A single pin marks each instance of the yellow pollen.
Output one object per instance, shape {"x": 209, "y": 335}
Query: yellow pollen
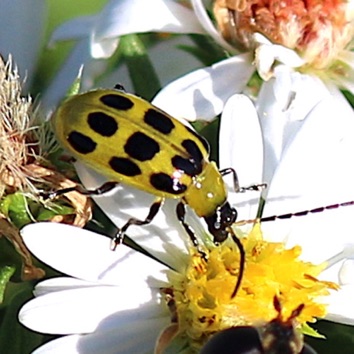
{"x": 202, "y": 296}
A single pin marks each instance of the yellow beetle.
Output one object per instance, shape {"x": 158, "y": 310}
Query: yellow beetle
{"x": 131, "y": 141}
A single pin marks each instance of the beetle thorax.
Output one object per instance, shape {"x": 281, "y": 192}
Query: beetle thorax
{"x": 207, "y": 192}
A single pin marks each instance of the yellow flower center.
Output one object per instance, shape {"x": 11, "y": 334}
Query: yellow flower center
{"x": 202, "y": 296}
{"x": 317, "y": 29}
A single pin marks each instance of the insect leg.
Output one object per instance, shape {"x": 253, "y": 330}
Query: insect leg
{"x": 106, "y": 187}
{"x": 237, "y": 188}
{"x": 154, "y": 209}
{"x": 181, "y": 213}
{"x": 120, "y": 87}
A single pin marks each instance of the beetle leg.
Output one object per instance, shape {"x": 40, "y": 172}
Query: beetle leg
{"x": 154, "y": 209}
{"x": 181, "y": 213}
{"x": 237, "y": 188}
{"x": 106, "y": 187}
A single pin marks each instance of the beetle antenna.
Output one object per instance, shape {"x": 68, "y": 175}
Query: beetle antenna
{"x": 242, "y": 262}
{"x": 291, "y": 215}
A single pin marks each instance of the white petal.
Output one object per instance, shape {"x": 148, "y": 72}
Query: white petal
{"x": 59, "y": 284}
{"x": 174, "y": 63}
{"x": 241, "y": 147}
{"x": 86, "y": 255}
{"x": 283, "y": 104}
{"x": 104, "y": 48}
{"x": 77, "y": 28}
{"x": 203, "y": 93}
{"x": 240, "y": 140}
{"x": 268, "y": 53}
{"x": 315, "y": 171}
{"x": 346, "y": 272}
{"x": 134, "y": 337}
{"x": 208, "y": 25}
{"x": 87, "y": 310}
{"x": 121, "y": 17}
{"x": 80, "y": 56}
{"x": 340, "y": 307}
{"x": 164, "y": 237}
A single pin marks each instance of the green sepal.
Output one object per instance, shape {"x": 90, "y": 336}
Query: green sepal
{"x": 206, "y": 49}
{"x": 307, "y": 330}
{"x": 75, "y": 87}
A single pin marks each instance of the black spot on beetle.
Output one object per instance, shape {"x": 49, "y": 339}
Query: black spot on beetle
{"x": 201, "y": 139}
{"x": 186, "y": 165}
{"x": 81, "y": 143}
{"x": 163, "y": 182}
{"x": 120, "y": 102}
{"x": 141, "y": 147}
{"x": 193, "y": 151}
{"x": 102, "y": 123}
{"x": 159, "y": 121}
{"x": 124, "y": 166}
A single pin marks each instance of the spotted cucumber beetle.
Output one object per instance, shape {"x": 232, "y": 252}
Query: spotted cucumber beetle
{"x": 275, "y": 337}
{"x": 129, "y": 140}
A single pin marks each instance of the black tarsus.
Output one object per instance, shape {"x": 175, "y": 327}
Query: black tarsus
{"x": 237, "y": 188}
{"x": 154, "y": 209}
{"x": 105, "y": 188}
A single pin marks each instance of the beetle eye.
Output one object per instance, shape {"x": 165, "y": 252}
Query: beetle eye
{"x": 223, "y": 217}
{"x": 228, "y": 215}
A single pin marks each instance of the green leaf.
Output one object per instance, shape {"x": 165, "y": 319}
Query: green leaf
{"x": 350, "y": 97}
{"x": 340, "y": 338}
{"x": 14, "y": 337}
{"x": 6, "y": 273}
{"x": 141, "y": 70}
{"x": 211, "y": 133}
{"x": 44, "y": 214}
{"x": 15, "y": 207}
{"x": 22, "y": 211}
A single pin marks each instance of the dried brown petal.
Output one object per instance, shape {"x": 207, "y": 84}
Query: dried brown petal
{"x": 81, "y": 203}
{"x": 29, "y": 271}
